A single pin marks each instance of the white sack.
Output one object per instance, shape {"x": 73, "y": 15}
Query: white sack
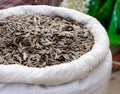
{"x": 63, "y": 73}
{"x": 95, "y": 83}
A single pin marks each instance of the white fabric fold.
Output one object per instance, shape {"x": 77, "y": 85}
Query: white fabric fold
{"x": 63, "y": 73}
{"x": 95, "y": 83}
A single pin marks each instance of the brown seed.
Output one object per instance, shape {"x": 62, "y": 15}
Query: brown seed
{"x": 39, "y": 40}
{"x": 1, "y": 40}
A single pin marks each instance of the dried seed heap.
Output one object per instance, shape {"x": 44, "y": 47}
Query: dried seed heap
{"x": 39, "y": 40}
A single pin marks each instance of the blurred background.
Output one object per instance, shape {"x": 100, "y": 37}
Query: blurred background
{"x": 106, "y": 11}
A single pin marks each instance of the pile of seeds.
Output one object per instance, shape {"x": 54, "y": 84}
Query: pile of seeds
{"x": 40, "y": 40}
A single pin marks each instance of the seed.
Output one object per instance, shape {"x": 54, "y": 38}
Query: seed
{"x": 39, "y": 40}
{"x": 86, "y": 34}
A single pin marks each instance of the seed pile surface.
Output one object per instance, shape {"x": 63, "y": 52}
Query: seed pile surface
{"x": 40, "y": 40}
